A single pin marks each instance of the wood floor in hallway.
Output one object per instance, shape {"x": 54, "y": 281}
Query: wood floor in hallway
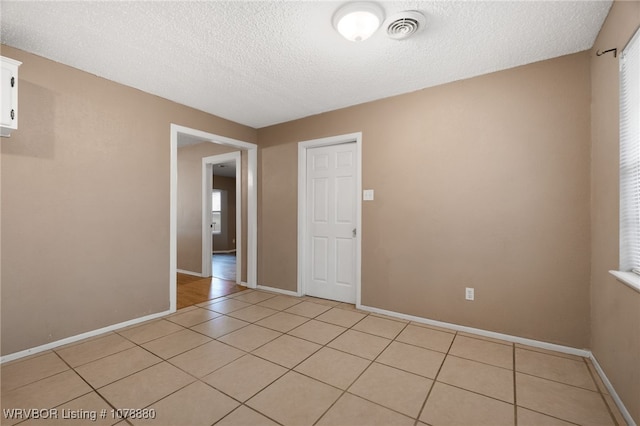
{"x": 193, "y": 290}
{"x": 223, "y": 266}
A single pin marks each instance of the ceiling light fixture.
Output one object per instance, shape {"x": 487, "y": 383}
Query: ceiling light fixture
{"x": 358, "y": 21}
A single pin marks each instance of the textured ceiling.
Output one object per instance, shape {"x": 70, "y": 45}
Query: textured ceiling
{"x": 225, "y": 169}
{"x": 262, "y": 63}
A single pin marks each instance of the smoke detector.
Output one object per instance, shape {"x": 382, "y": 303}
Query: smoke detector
{"x": 404, "y": 24}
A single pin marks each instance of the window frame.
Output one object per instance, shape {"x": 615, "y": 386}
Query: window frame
{"x": 629, "y": 126}
{"x": 219, "y": 212}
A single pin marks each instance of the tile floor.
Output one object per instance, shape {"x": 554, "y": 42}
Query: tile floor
{"x": 257, "y": 358}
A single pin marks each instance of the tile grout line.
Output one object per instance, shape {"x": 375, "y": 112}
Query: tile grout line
{"x": 515, "y": 400}
{"x": 93, "y": 389}
{"x": 41, "y": 378}
{"x": 551, "y": 416}
{"x": 283, "y": 333}
{"x": 480, "y": 394}
{"x": 242, "y": 404}
{"x": 435, "y": 380}
{"x": 448, "y": 353}
{"x": 344, "y": 391}
{"x": 325, "y": 345}
{"x": 561, "y": 383}
{"x": 233, "y": 397}
{"x": 485, "y": 339}
{"x": 549, "y": 352}
{"x": 613, "y": 417}
{"x": 478, "y": 362}
{"x": 197, "y": 379}
{"x": 289, "y": 335}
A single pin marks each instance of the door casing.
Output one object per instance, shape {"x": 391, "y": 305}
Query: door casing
{"x": 302, "y": 206}
{"x": 207, "y": 184}
{"x": 252, "y": 203}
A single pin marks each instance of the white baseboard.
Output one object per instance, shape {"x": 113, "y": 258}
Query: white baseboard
{"x": 195, "y": 274}
{"x": 623, "y": 410}
{"x": 480, "y": 332}
{"x": 223, "y": 251}
{"x": 78, "y": 337}
{"x": 515, "y": 339}
{"x": 277, "y": 290}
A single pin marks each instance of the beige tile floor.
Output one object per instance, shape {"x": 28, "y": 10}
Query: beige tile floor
{"x": 257, "y": 358}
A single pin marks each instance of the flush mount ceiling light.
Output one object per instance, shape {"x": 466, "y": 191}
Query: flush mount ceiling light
{"x": 358, "y": 21}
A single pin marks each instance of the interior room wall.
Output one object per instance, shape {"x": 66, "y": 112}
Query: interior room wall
{"x": 225, "y": 241}
{"x": 479, "y": 183}
{"x": 85, "y": 203}
{"x": 615, "y": 308}
{"x": 189, "y": 220}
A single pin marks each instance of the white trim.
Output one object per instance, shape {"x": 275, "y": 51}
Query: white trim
{"x": 220, "y": 140}
{"x": 173, "y": 218}
{"x": 623, "y": 410}
{"x": 629, "y": 279}
{"x": 78, "y": 337}
{"x": 252, "y": 205}
{"x": 252, "y": 217}
{"x": 277, "y": 290}
{"x": 205, "y": 197}
{"x": 515, "y": 339}
{"x": 223, "y": 251}
{"x": 480, "y": 332}
{"x": 195, "y": 274}
{"x": 302, "y": 197}
{"x": 207, "y": 184}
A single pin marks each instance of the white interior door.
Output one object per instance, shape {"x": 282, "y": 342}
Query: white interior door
{"x": 331, "y": 222}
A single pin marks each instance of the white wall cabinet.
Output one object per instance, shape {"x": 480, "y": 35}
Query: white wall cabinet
{"x": 9, "y": 96}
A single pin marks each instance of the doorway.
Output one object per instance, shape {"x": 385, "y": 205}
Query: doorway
{"x": 222, "y": 231}
{"x": 223, "y": 266}
{"x": 176, "y": 132}
{"x": 329, "y": 218}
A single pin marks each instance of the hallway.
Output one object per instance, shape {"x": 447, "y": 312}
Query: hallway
{"x": 224, "y": 266}
{"x": 192, "y": 290}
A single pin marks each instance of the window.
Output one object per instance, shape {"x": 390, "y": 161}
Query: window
{"x": 630, "y": 164}
{"x": 216, "y": 211}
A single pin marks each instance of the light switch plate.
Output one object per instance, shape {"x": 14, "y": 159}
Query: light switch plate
{"x": 367, "y": 195}
{"x": 469, "y": 293}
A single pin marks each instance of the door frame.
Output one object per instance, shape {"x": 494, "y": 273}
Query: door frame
{"x": 207, "y": 185}
{"x": 303, "y": 146}
{"x": 252, "y": 203}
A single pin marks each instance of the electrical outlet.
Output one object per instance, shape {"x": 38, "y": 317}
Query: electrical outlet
{"x": 469, "y": 293}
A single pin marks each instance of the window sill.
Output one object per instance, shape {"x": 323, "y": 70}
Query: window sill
{"x": 628, "y": 278}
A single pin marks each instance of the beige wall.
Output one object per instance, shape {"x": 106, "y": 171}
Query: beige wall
{"x": 615, "y": 308}
{"x": 490, "y": 180}
{"x": 85, "y": 203}
{"x": 189, "y": 218}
